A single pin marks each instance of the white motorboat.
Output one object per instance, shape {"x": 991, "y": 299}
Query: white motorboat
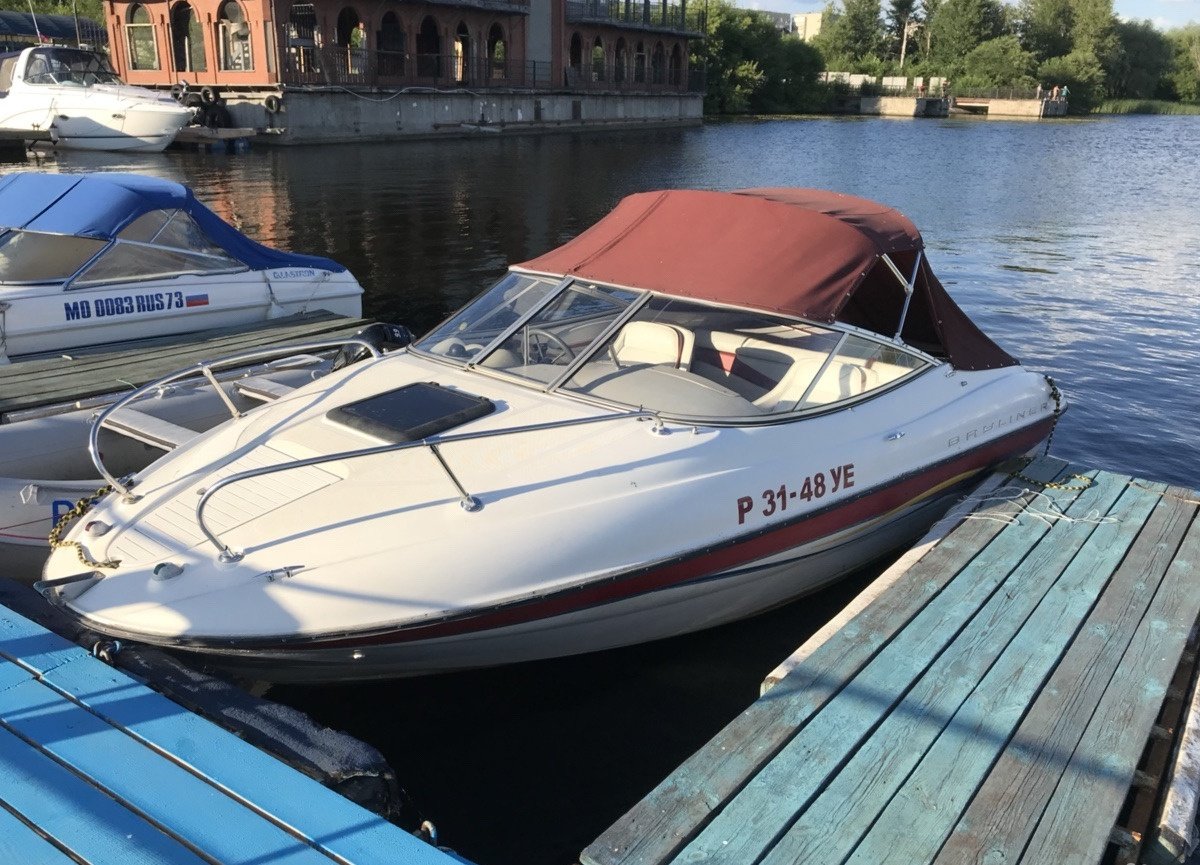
{"x": 702, "y": 407}
{"x": 74, "y": 97}
{"x": 91, "y": 259}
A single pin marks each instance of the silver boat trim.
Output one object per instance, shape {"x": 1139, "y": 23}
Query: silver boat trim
{"x": 204, "y": 368}
{"x": 468, "y": 502}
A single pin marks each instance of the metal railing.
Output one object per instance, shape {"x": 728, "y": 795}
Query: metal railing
{"x": 650, "y": 14}
{"x": 338, "y": 65}
{"x": 204, "y": 368}
{"x": 468, "y": 502}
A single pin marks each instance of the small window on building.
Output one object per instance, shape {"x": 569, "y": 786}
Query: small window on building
{"x": 497, "y": 53}
{"x": 620, "y": 62}
{"x": 639, "y": 64}
{"x": 429, "y": 49}
{"x": 392, "y": 42}
{"x": 187, "y": 40}
{"x": 675, "y": 67}
{"x": 233, "y": 38}
{"x": 143, "y": 51}
{"x": 598, "y": 60}
{"x": 658, "y": 63}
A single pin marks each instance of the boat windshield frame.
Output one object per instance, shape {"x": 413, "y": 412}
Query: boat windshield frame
{"x": 104, "y": 74}
{"x": 838, "y": 336}
{"x": 77, "y": 280}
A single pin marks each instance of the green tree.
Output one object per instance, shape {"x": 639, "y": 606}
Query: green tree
{"x": 1144, "y": 59}
{"x": 1046, "y": 27}
{"x": 90, "y": 9}
{"x": 1081, "y": 73}
{"x": 959, "y": 26}
{"x": 900, "y": 14}
{"x": 753, "y": 67}
{"x": 999, "y": 62}
{"x": 853, "y": 34}
{"x": 1184, "y": 75}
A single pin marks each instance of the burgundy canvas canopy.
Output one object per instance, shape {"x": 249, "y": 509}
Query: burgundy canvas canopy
{"x": 801, "y": 252}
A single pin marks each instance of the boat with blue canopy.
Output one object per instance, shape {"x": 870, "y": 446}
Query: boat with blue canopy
{"x": 93, "y": 259}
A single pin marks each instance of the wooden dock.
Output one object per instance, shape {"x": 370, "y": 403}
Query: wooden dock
{"x": 85, "y": 374}
{"x": 95, "y": 767}
{"x": 989, "y": 699}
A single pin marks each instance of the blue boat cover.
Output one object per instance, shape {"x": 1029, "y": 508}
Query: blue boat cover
{"x": 100, "y": 205}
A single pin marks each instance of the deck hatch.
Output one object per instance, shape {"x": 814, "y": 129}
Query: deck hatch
{"x": 412, "y": 412}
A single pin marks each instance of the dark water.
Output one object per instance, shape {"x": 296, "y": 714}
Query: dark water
{"x": 1075, "y": 244}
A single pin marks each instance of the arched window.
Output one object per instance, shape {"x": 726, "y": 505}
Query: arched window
{"x": 497, "y": 52}
{"x": 639, "y": 64}
{"x": 302, "y": 37}
{"x": 429, "y": 49}
{"x": 143, "y": 52}
{"x": 351, "y": 37}
{"x": 462, "y": 53}
{"x": 575, "y": 60}
{"x": 233, "y": 38}
{"x": 187, "y": 39}
{"x": 598, "y": 59}
{"x": 675, "y": 67}
{"x": 390, "y": 43}
{"x": 620, "y": 62}
{"x": 658, "y": 62}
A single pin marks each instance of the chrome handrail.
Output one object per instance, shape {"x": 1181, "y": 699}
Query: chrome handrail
{"x": 201, "y": 367}
{"x": 468, "y": 502}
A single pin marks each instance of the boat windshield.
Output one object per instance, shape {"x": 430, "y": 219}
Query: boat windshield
{"x": 666, "y": 354}
{"x": 68, "y": 66}
{"x": 157, "y": 245}
{"x": 36, "y": 257}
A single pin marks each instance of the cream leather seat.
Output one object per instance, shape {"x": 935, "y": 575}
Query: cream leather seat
{"x": 652, "y": 342}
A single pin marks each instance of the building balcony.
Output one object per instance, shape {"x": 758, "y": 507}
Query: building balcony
{"x": 638, "y": 15}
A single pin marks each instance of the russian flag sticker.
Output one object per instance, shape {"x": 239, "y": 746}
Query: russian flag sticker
{"x": 196, "y": 300}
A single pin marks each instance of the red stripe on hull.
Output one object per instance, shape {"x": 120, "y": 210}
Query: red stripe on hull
{"x": 731, "y": 554}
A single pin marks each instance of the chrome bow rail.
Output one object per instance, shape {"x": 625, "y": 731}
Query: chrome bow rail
{"x": 466, "y": 500}
{"x": 205, "y": 368}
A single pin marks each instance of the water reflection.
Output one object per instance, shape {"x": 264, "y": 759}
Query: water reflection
{"x": 1072, "y": 243}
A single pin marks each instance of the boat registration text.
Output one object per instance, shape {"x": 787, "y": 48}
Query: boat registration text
{"x": 128, "y": 304}
{"x": 814, "y": 486}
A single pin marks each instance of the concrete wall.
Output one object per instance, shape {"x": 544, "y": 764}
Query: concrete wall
{"x": 1015, "y": 107}
{"x": 903, "y": 106}
{"x": 313, "y": 116}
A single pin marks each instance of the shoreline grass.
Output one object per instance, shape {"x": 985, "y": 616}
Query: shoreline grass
{"x": 1145, "y": 106}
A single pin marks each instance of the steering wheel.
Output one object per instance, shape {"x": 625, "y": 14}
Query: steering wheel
{"x": 546, "y": 342}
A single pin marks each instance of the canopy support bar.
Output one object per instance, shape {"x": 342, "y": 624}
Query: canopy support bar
{"x": 909, "y": 283}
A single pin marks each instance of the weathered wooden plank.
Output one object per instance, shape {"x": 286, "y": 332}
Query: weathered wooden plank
{"x": 884, "y": 582}
{"x": 19, "y": 843}
{"x": 160, "y": 791}
{"x": 44, "y": 382}
{"x": 31, "y": 646}
{"x": 77, "y": 815}
{"x": 848, "y": 807}
{"x": 328, "y": 821}
{"x": 922, "y": 814}
{"x": 1007, "y": 807}
{"x": 657, "y": 827}
{"x": 1094, "y": 784}
{"x": 898, "y": 704}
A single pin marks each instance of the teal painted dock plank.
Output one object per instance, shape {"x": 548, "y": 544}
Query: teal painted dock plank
{"x": 1011, "y": 668}
{"x": 922, "y": 814}
{"x": 110, "y": 752}
{"x": 659, "y": 826}
{"x": 854, "y": 800}
{"x": 750, "y": 824}
{"x": 1094, "y": 784}
{"x": 1009, "y": 805}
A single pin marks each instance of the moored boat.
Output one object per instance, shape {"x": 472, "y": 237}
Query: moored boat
{"x": 702, "y": 407}
{"x": 74, "y": 97}
{"x": 91, "y": 259}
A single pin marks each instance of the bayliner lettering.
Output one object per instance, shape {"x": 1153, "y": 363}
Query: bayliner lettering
{"x": 815, "y": 486}
{"x": 128, "y": 304}
{"x": 998, "y": 423}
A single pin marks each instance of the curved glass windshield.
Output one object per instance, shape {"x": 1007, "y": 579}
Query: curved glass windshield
{"x": 32, "y": 256}
{"x": 673, "y": 356}
{"x": 68, "y": 66}
{"x": 158, "y": 245}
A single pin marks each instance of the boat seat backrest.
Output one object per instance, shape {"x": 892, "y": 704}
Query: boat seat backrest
{"x": 653, "y": 342}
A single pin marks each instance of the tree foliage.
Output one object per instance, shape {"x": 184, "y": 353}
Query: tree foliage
{"x": 91, "y": 9}
{"x": 999, "y": 62}
{"x": 753, "y": 67}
